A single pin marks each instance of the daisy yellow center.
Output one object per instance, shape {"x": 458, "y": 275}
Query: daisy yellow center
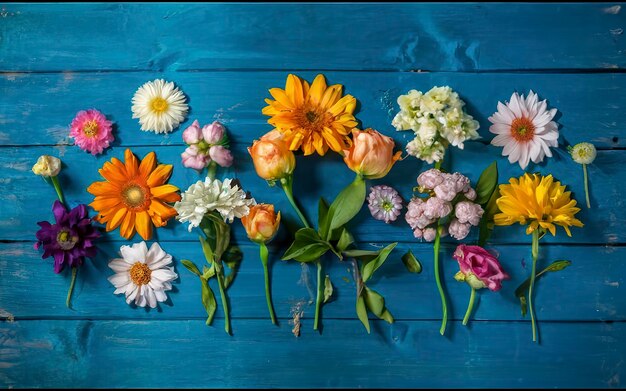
{"x": 159, "y": 105}
{"x": 134, "y": 195}
{"x": 140, "y": 273}
{"x": 91, "y": 128}
{"x": 522, "y": 129}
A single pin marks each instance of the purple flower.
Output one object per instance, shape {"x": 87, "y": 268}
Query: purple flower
{"x": 384, "y": 203}
{"x": 70, "y": 240}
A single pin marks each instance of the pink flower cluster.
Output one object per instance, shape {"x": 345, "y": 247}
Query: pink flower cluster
{"x": 448, "y": 193}
{"x": 206, "y": 144}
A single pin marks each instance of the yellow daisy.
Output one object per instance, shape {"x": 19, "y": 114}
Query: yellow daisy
{"x": 312, "y": 118}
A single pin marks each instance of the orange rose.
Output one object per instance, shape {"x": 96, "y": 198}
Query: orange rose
{"x": 271, "y": 157}
{"x": 371, "y": 154}
{"x": 261, "y": 223}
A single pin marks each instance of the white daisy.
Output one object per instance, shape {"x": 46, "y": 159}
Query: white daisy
{"x": 524, "y": 127}
{"x": 204, "y": 197}
{"x": 143, "y": 275}
{"x": 160, "y": 106}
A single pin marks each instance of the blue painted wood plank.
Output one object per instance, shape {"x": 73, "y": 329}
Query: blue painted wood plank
{"x": 448, "y": 37}
{"x": 181, "y": 354}
{"x": 588, "y": 290}
{"x": 590, "y": 108}
{"x": 27, "y": 199}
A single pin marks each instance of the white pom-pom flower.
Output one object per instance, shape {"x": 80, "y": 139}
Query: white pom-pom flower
{"x": 583, "y": 153}
{"x": 159, "y": 106}
{"x": 143, "y": 275}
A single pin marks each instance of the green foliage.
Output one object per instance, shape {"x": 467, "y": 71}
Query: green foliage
{"x": 521, "y": 290}
{"x": 411, "y": 263}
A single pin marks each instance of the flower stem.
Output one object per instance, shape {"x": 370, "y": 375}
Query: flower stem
{"x": 470, "y": 307}
{"x": 535, "y": 254}
{"x": 586, "y": 185}
{"x": 438, "y": 164}
{"x": 72, "y": 282}
{"x": 318, "y": 301}
{"x": 268, "y": 296}
{"x": 220, "y": 282}
{"x": 212, "y": 170}
{"x": 57, "y": 187}
{"x": 286, "y": 184}
{"x": 444, "y": 305}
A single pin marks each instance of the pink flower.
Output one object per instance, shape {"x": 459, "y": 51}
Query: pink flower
{"x": 436, "y": 208}
{"x": 193, "y": 158}
{"x": 470, "y": 194}
{"x": 461, "y": 182}
{"x": 459, "y": 230}
{"x": 415, "y": 215}
{"x": 479, "y": 268}
{"x": 429, "y": 179}
{"x": 192, "y": 134}
{"x": 446, "y": 190}
{"x": 221, "y": 155}
{"x": 213, "y": 133}
{"x": 91, "y": 131}
{"x": 468, "y": 212}
{"x": 429, "y": 234}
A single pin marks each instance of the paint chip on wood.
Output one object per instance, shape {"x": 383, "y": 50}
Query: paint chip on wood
{"x": 612, "y": 10}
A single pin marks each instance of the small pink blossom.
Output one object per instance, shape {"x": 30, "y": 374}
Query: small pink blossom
{"x": 468, "y": 212}
{"x": 470, "y": 194}
{"x": 479, "y": 268}
{"x": 91, "y": 131}
{"x": 384, "y": 203}
{"x": 213, "y": 133}
{"x": 193, "y": 133}
{"x": 429, "y": 179}
{"x": 415, "y": 214}
{"x": 429, "y": 234}
{"x": 459, "y": 230}
{"x": 221, "y": 155}
{"x": 461, "y": 182}
{"x": 418, "y": 233}
{"x": 193, "y": 158}
{"x": 436, "y": 208}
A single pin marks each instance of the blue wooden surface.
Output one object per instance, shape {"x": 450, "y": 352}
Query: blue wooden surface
{"x": 56, "y": 59}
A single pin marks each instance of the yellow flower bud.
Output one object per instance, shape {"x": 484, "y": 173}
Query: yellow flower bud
{"x": 47, "y": 165}
{"x": 261, "y": 224}
{"x": 371, "y": 154}
{"x": 271, "y": 157}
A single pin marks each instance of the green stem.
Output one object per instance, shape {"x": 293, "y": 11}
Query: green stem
{"x": 586, "y": 185}
{"x": 470, "y": 307}
{"x": 287, "y": 185}
{"x": 535, "y": 254}
{"x": 69, "y": 292}
{"x": 444, "y": 305}
{"x": 438, "y": 164}
{"x": 318, "y": 301}
{"x": 57, "y": 187}
{"x": 220, "y": 283}
{"x": 268, "y": 296}
{"x": 212, "y": 170}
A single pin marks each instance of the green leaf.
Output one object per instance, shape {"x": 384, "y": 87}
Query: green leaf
{"x": 361, "y": 312}
{"x": 374, "y": 301}
{"x": 232, "y": 256}
{"x": 486, "y": 222}
{"x": 521, "y": 290}
{"x": 206, "y": 249}
{"x": 208, "y": 272}
{"x": 411, "y": 263}
{"x": 222, "y": 234}
{"x": 370, "y": 267}
{"x": 328, "y": 289}
{"x": 486, "y": 184}
{"x": 386, "y": 315}
{"x": 322, "y": 211}
{"x": 347, "y": 205}
{"x": 307, "y": 246}
{"x": 345, "y": 240}
{"x": 208, "y": 300}
{"x": 191, "y": 267}
{"x": 356, "y": 253}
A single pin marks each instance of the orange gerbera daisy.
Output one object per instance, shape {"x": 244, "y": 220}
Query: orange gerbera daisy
{"x": 312, "y": 118}
{"x": 134, "y": 195}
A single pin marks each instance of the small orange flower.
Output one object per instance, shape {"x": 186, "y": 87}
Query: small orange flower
{"x": 261, "y": 223}
{"x": 271, "y": 157}
{"x": 134, "y": 195}
{"x": 371, "y": 154}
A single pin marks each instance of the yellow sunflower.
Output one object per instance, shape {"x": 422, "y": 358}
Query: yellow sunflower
{"x": 134, "y": 195}
{"x": 312, "y": 118}
{"x": 537, "y": 201}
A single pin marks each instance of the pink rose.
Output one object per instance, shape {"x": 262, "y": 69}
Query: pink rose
{"x": 221, "y": 155}
{"x": 436, "y": 208}
{"x": 429, "y": 179}
{"x": 193, "y": 158}
{"x": 213, "y": 133}
{"x": 468, "y": 212}
{"x": 192, "y": 134}
{"x": 459, "y": 230}
{"x": 479, "y": 268}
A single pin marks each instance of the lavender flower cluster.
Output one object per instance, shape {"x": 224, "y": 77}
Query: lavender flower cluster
{"x": 450, "y": 195}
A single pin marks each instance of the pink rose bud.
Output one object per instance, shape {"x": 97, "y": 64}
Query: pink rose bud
{"x": 479, "y": 268}
{"x": 213, "y": 133}
{"x": 459, "y": 230}
{"x": 221, "y": 155}
{"x": 192, "y": 134}
{"x": 468, "y": 212}
{"x": 429, "y": 179}
{"x": 192, "y": 158}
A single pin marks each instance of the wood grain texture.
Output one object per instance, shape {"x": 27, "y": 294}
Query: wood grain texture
{"x": 411, "y": 355}
{"x": 432, "y": 37}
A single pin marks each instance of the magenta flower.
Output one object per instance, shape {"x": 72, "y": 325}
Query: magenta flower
{"x": 384, "y": 203}
{"x": 91, "y": 131}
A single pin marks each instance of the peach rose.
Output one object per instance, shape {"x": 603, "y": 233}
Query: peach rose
{"x": 371, "y": 154}
{"x": 271, "y": 157}
{"x": 261, "y": 224}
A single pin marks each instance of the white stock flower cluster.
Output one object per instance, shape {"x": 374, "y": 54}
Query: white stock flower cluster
{"x": 437, "y": 119}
